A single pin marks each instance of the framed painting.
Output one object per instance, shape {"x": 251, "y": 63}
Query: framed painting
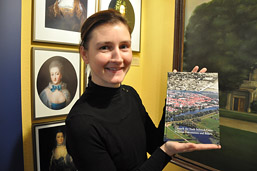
{"x": 56, "y": 80}
{"x": 50, "y": 151}
{"x": 131, "y": 9}
{"x": 87, "y": 74}
{"x": 60, "y": 21}
{"x": 220, "y": 35}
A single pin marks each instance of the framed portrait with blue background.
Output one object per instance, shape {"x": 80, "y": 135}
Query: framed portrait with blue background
{"x": 56, "y": 81}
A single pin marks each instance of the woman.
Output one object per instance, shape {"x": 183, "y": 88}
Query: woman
{"x": 108, "y": 128}
{"x": 61, "y": 160}
{"x": 56, "y": 95}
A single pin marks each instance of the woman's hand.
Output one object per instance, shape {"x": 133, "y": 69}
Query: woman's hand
{"x": 171, "y": 147}
{"x": 195, "y": 69}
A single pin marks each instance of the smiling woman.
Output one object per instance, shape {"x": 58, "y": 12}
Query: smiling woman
{"x": 109, "y": 54}
{"x": 108, "y": 128}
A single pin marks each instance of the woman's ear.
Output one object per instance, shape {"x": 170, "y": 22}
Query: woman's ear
{"x": 83, "y": 54}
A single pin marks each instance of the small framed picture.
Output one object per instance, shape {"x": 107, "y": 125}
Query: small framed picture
{"x": 56, "y": 79}
{"x": 59, "y": 21}
{"x": 50, "y": 152}
{"x": 131, "y": 9}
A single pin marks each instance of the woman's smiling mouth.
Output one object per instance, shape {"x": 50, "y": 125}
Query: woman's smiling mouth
{"x": 113, "y": 68}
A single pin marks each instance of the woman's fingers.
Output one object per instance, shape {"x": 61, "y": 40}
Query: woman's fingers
{"x": 196, "y": 68}
{"x": 203, "y": 70}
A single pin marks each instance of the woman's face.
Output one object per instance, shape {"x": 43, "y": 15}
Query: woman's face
{"x": 55, "y": 75}
{"x": 109, "y": 54}
{"x": 59, "y": 138}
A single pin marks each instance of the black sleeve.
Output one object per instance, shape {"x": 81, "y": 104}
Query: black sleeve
{"x": 156, "y": 162}
{"x": 154, "y": 139}
{"x": 154, "y": 136}
{"x": 89, "y": 152}
{"x": 86, "y": 147}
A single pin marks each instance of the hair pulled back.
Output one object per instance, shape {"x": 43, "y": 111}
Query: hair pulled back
{"x": 110, "y": 16}
{"x": 56, "y": 63}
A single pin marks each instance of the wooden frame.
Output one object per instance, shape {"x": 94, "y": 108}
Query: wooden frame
{"x": 70, "y": 80}
{"x": 178, "y": 34}
{"x": 134, "y": 18}
{"x": 233, "y": 138}
{"x": 179, "y": 160}
{"x": 59, "y": 30}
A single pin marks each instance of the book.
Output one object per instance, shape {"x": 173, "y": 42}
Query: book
{"x": 192, "y": 108}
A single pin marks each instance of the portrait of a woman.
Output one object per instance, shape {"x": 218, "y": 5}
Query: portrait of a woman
{"x": 56, "y": 95}
{"x": 60, "y": 159}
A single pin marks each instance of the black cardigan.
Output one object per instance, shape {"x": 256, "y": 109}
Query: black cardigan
{"x": 109, "y": 129}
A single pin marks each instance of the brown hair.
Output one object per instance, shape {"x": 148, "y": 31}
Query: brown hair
{"x": 110, "y": 16}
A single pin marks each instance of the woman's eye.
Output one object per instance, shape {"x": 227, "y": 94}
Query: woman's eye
{"x": 104, "y": 48}
{"x": 125, "y": 46}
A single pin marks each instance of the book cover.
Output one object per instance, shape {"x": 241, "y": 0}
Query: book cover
{"x": 192, "y": 108}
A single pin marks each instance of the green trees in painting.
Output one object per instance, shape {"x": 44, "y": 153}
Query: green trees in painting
{"x": 222, "y": 36}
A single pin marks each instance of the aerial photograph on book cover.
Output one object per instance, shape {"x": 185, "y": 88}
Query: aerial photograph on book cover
{"x": 192, "y": 108}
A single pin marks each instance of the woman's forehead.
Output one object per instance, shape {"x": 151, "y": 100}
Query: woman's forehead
{"x": 54, "y": 68}
{"x": 107, "y": 26}
{"x": 59, "y": 133}
{"x": 109, "y": 31}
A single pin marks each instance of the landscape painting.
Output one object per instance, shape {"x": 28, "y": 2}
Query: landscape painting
{"x": 220, "y": 35}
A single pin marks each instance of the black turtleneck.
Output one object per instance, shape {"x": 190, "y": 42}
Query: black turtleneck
{"x": 109, "y": 129}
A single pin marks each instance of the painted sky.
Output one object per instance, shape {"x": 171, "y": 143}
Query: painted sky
{"x": 190, "y": 6}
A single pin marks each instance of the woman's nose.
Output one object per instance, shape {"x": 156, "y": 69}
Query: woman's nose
{"x": 117, "y": 55}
